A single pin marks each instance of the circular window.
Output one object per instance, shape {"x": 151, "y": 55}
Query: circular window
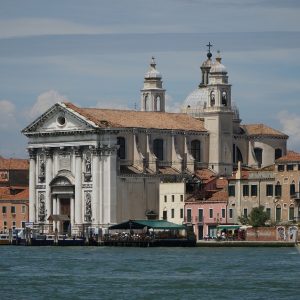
{"x": 61, "y": 120}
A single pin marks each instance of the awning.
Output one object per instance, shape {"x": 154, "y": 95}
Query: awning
{"x": 153, "y": 224}
{"x": 58, "y": 218}
{"x": 228, "y": 227}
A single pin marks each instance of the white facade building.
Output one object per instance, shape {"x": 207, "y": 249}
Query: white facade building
{"x": 104, "y": 166}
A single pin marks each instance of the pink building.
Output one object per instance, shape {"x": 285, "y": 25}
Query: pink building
{"x": 206, "y": 214}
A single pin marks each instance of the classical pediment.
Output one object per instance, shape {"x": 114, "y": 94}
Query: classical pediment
{"x": 58, "y": 118}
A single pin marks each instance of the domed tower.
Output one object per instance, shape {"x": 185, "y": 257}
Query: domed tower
{"x": 153, "y": 95}
{"x": 196, "y": 101}
{"x": 218, "y": 119}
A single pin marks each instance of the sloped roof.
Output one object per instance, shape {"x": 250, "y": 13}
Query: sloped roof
{"x": 262, "y": 129}
{"x": 113, "y": 118}
{"x": 289, "y": 157}
{"x": 205, "y": 175}
{"x": 13, "y": 164}
{"x": 6, "y": 194}
{"x": 219, "y": 196}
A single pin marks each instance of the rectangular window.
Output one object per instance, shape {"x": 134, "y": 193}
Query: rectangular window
{"x": 13, "y": 224}
{"x": 278, "y": 213}
{"x": 189, "y": 215}
{"x": 291, "y": 213}
{"x": 278, "y": 190}
{"x": 173, "y": 198}
{"x": 280, "y": 168}
{"x": 181, "y": 198}
{"x": 200, "y": 215}
{"x": 165, "y": 215}
{"x": 245, "y": 190}
{"x": 5, "y": 225}
{"x": 269, "y": 190}
{"x": 172, "y": 213}
{"x": 245, "y": 212}
{"x": 4, "y": 209}
{"x": 253, "y": 190}
{"x": 268, "y": 212}
{"x": 290, "y": 167}
{"x": 230, "y": 213}
{"x": 231, "y": 190}
{"x": 13, "y": 209}
{"x": 223, "y": 213}
{"x": 211, "y": 213}
{"x": 165, "y": 198}
{"x": 23, "y": 209}
{"x": 298, "y": 167}
{"x": 181, "y": 213}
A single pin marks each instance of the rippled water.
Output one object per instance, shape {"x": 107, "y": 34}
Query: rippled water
{"x": 149, "y": 273}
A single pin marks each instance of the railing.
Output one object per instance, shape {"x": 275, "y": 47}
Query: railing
{"x": 296, "y": 196}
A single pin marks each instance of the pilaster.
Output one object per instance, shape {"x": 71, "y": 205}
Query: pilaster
{"x": 49, "y": 175}
{"x": 32, "y": 183}
{"x": 78, "y": 186}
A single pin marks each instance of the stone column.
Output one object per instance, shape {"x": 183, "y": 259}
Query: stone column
{"x": 95, "y": 192}
{"x": 32, "y": 182}
{"x": 78, "y": 187}
{"x": 109, "y": 187}
{"x": 49, "y": 172}
{"x": 54, "y": 211}
{"x": 72, "y": 211}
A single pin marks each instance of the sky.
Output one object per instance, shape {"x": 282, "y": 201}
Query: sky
{"x": 95, "y": 53}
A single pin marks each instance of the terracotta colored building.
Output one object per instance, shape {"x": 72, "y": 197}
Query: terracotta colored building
{"x": 14, "y": 193}
{"x": 287, "y": 188}
{"x": 207, "y": 208}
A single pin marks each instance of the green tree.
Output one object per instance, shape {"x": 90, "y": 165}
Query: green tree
{"x": 258, "y": 216}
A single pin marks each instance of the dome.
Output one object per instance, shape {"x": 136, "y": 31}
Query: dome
{"x": 218, "y": 67}
{"x": 153, "y": 73}
{"x": 195, "y": 102}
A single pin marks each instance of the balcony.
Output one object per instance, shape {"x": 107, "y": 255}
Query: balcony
{"x": 296, "y": 196}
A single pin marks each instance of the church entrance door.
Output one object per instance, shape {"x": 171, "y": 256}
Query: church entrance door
{"x": 65, "y": 210}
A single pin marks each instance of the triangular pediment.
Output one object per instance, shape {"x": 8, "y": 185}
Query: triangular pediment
{"x": 58, "y": 118}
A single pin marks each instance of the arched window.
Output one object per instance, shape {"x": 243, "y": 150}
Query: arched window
{"x": 196, "y": 150}
{"x": 292, "y": 188}
{"x": 258, "y": 154}
{"x": 158, "y": 148}
{"x": 122, "y": 147}
{"x": 278, "y": 190}
{"x": 147, "y": 103}
{"x": 278, "y": 153}
{"x": 224, "y": 98}
{"x": 278, "y": 213}
{"x": 212, "y": 99}
{"x": 157, "y": 104}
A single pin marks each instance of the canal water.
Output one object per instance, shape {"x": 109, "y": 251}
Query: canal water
{"x": 149, "y": 273}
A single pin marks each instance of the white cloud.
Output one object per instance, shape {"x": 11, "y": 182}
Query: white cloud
{"x": 290, "y": 123}
{"x": 171, "y": 105}
{"x": 7, "y": 114}
{"x": 44, "y": 101}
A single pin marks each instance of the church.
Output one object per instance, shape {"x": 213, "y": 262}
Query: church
{"x": 97, "y": 167}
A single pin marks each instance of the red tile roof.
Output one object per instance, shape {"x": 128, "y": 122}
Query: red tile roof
{"x": 7, "y": 193}
{"x": 14, "y": 164}
{"x": 113, "y": 118}
{"x": 262, "y": 129}
{"x": 219, "y": 196}
{"x": 291, "y": 156}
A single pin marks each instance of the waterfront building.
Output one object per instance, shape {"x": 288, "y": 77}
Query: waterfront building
{"x": 171, "y": 201}
{"x": 97, "y": 167}
{"x": 14, "y": 197}
{"x": 287, "y": 188}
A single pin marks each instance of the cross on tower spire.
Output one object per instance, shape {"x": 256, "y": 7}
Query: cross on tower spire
{"x": 209, "y": 55}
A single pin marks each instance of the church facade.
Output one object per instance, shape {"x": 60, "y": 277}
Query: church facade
{"x": 102, "y": 166}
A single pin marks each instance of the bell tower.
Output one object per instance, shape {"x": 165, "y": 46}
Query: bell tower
{"x": 153, "y": 94}
{"x": 218, "y": 118}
